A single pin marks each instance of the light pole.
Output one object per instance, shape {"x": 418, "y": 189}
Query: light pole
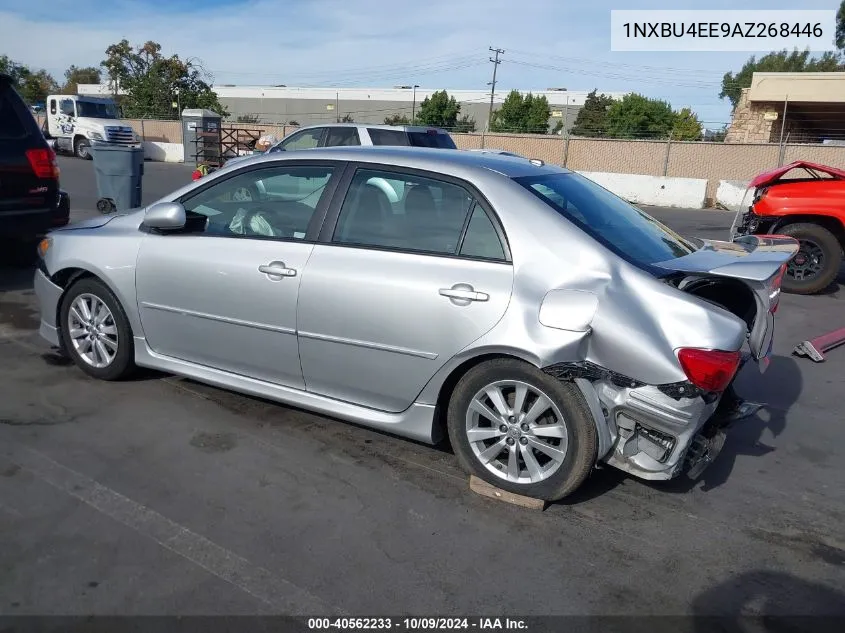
{"x": 414, "y": 103}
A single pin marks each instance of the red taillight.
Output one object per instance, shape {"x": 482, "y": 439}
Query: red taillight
{"x": 709, "y": 369}
{"x": 43, "y": 163}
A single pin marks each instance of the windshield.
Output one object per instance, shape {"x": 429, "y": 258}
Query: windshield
{"x": 431, "y": 139}
{"x": 629, "y": 232}
{"x": 97, "y": 109}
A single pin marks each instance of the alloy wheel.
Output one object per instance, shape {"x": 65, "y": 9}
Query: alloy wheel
{"x": 807, "y": 263}
{"x": 516, "y": 432}
{"x": 92, "y": 330}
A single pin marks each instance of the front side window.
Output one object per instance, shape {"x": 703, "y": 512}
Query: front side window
{"x": 403, "y": 211}
{"x": 67, "y": 107}
{"x": 306, "y": 139}
{"x": 626, "y": 230}
{"x": 342, "y": 136}
{"x": 97, "y": 109}
{"x": 274, "y": 202}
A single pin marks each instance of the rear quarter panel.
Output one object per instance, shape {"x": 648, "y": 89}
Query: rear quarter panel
{"x": 640, "y": 320}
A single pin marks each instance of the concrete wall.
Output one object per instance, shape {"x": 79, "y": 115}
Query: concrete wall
{"x": 164, "y": 152}
{"x": 658, "y": 191}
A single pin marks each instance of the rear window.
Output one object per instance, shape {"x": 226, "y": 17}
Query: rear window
{"x": 11, "y": 123}
{"x": 431, "y": 139}
{"x": 388, "y": 137}
{"x": 626, "y": 230}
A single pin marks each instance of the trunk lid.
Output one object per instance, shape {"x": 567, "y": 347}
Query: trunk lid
{"x": 756, "y": 261}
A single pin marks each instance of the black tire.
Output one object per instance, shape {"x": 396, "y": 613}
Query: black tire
{"x": 580, "y": 454}
{"x": 123, "y": 364}
{"x": 81, "y": 147}
{"x": 812, "y": 235}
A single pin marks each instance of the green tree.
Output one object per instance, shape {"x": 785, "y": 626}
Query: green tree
{"x": 592, "y": 117}
{"x": 840, "y": 27}
{"x": 397, "y": 119}
{"x": 523, "y": 114}
{"x": 37, "y": 85}
{"x": 465, "y": 124}
{"x": 687, "y": 126}
{"x": 636, "y": 116}
{"x": 12, "y": 68}
{"x": 439, "y": 110}
{"x": 75, "y": 76}
{"x": 153, "y": 83}
{"x": 33, "y": 86}
{"x": 778, "y": 61}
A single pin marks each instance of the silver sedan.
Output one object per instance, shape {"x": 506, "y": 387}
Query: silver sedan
{"x": 540, "y": 321}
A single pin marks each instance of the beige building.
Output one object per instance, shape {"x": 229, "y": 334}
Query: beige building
{"x": 793, "y": 107}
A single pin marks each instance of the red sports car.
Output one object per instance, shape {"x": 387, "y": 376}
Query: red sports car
{"x": 806, "y": 201}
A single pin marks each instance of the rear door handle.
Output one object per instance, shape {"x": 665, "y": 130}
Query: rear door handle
{"x": 277, "y": 269}
{"x": 463, "y": 293}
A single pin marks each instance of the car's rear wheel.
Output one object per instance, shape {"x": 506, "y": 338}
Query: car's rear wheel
{"x": 816, "y": 264}
{"x": 95, "y": 331}
{"x": 521, "y": 430}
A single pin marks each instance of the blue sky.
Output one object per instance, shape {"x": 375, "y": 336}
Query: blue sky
{"x": 380, "y": 43}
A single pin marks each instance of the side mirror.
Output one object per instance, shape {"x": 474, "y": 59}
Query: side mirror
{"x": 165, "y": 216}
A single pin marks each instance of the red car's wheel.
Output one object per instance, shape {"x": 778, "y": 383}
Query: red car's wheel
{"x": 816, "y": 264}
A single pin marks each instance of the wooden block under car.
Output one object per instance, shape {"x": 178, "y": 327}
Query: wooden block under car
{"x": 481, "y": 487}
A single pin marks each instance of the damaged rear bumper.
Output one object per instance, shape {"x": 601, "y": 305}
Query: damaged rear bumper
{"x": 656, "y": 432}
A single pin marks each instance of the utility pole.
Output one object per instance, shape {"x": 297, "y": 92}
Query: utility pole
{"x": 414, "y": 104}
{"x": 496, "y": 61}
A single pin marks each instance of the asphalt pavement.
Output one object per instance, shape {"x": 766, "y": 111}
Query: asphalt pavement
{"x": 164, "y": 496}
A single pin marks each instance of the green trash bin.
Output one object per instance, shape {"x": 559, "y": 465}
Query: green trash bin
{"x": 119, "y": 170}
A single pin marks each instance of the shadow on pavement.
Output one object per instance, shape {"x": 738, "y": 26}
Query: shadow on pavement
{"x": 15, "y": 277}
{"x": 771, "y": 601}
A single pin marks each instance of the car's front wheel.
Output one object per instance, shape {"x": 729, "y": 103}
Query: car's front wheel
{"x": 82, "y": 148}
{"x": 816, "y": 264}
{"x": 522, "y": 430}
{"x": 95, "y": 331}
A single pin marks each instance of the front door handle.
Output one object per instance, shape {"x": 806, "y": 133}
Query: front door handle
{"x": 277, "y": 269}
{"x": 462, "y": 294}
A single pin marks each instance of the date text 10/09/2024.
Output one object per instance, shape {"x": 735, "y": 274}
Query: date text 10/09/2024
{"x": 417, "y": 624}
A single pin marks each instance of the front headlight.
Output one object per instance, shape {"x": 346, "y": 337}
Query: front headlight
{"x": 96, "y": 136}
{"x": 44, "y": 246}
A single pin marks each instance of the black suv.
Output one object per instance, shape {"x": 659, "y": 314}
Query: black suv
{"x": 31, "y": 202}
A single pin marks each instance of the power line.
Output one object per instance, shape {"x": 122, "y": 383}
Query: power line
{"x": 492, "y": 84}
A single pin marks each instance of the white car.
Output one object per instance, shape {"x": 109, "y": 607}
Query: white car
{"x": 352, "y": 134}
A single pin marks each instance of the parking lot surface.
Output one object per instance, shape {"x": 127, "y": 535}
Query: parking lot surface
{"x": 164, "y": 496}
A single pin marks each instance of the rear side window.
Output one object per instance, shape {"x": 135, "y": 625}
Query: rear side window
{"x": 624, "y": 229}
{"x": 12, "y": 126}
{"x": 431, "y": 138}
{"x": 388, "y": 137}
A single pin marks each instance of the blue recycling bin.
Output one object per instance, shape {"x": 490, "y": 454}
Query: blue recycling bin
{"x": 119, "y": 170}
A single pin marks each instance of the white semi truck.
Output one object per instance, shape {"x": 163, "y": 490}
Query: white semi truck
{"x": 76, "y": 123}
